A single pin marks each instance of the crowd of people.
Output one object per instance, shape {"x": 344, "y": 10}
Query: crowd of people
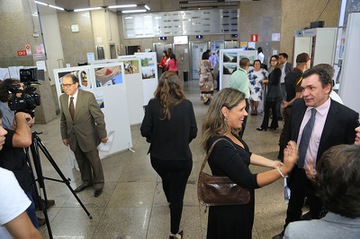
{"x": 319, "y": 153}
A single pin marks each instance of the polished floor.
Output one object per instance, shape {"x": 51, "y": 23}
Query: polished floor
{"x": 133, "y": 205}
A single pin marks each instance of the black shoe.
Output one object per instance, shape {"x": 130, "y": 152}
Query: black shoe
{"x": 82, "y": 187}
{"x": 279, "y": 236}
{"x": 50, "y": 203}
{"x": 260, "y": 129}
{"x": 97, "y": 192}
{"x": 41, "y": 221}
{"x": 273, "y": 128}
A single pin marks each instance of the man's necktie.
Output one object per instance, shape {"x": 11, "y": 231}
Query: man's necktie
{"x": 72, "y": 108}
{"x": 305, "y": 139}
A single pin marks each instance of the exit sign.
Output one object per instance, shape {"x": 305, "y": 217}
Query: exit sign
{"x": 254, "y": 37}
{"x": 21, "y": 53}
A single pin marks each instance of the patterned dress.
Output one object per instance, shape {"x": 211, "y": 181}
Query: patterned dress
{"x": 206, "y": 81}
{"x": 256, "y": 78}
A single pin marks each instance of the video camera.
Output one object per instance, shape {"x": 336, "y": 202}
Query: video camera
{"x": 26, "y": 99}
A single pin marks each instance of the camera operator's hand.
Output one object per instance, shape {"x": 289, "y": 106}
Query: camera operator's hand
{"x": 66, "y": 142}
{"x": 104, "y": 140}
{"x": 23, "y": 136}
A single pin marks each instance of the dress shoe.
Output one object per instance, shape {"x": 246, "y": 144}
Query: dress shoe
{"x": 41, "y": 221}
{"x": 260, "y": 129}
{"x": 50, "y": 203}
{"x": 279, "y": 236}
{"x": 82, "y": 187}
{"x": 97, "y": 192}
{"x": 178, "y": 235}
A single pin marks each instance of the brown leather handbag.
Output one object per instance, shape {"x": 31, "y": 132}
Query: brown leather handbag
{"x": 219, "y": 190}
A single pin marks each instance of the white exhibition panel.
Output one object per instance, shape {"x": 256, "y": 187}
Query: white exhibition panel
{"x": 325, "y": 45}
{"x": 117, "y": 123}
{"x": 349, "y": 80}
{"x": 133, "y": 83}
{"x": 149, "y": 74}
{"x": 112, "y": 99}
{"x": 301, "y": 44}
{"x": 134, "y": 88}
{"x": 229, "y": 62}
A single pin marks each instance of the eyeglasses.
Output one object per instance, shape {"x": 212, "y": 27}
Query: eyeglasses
{"x": 67, "y": 85}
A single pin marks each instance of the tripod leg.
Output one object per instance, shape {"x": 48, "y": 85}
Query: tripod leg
{"x": 57, "y": 169}
{"x": 40, "y": 180}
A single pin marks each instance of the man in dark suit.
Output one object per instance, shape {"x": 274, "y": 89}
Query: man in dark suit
{"x": 286, "y": 67}
{"x": 334, "y": 124}
{"x": 83, "y": 128}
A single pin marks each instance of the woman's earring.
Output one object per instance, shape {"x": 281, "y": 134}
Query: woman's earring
{"x": 225, "y": 119}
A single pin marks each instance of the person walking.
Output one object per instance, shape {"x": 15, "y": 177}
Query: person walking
{"x": 169, "y": 126}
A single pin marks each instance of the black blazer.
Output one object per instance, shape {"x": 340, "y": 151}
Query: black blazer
{"x": 169, "y": 139}
{"x": 339, "y": 128}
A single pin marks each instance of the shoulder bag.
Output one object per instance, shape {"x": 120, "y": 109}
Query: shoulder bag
{"x": 219, "y": 190}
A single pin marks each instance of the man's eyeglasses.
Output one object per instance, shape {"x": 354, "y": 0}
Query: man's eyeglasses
{"x": 67, "y": 85}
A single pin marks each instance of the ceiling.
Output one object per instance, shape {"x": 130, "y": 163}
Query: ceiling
{"x": 74, "y": 4}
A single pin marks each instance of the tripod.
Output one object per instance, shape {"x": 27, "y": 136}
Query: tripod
{"x": 34, "y": 148}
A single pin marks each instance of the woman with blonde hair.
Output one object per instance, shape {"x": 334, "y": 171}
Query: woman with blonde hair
{"x": 231, "y": 157}
{"x": 169, "y": 126}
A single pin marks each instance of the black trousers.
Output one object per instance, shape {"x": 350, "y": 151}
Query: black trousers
{"x": 274, "y": 123}
{"x": 283, "y": 138}
{"x": 174, "y": 175}
{"x": 301, "y": 187}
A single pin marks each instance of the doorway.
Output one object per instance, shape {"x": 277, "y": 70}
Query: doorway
{"x": 196, "y": 51}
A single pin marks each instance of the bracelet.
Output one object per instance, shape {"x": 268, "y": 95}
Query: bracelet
{"x": 281, "y": 173}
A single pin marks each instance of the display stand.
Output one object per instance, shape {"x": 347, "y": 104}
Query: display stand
{"x": 149, "y": 74}
{"x": 229, "y": 63}
{"x": 349, "y": 78}
{"x": 134, "y": 87}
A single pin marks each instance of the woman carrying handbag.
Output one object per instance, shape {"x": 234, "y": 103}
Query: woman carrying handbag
{"x": 231, "y": 157}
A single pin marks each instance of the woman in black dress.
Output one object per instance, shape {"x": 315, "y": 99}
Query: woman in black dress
{"x": 273, "y": 95}
{"x": 231, "y": 157}
{"x": 169, "y": 125}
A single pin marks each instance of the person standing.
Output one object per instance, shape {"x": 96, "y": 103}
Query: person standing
{"x": 317, "y": 123}
{"x": 169, "y": 126}
{"x": 206, "y": 80}
{"x": 293, "y": 92}
{"x": 337, "y": 179}
{"x": 261, "y": 58}
{"x": 162, "y": 63}
{"x": 82, "y": 128}
{"x": 272, "y": 96}
{"x": 286, "y": 68}
{"x": 239, "y": 80}
{"x": 231, "y": 157}
{"x": 172, "y": 64}
{"x": 256, "y": 77}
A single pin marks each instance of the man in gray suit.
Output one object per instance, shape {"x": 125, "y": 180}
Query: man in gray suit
{"x": 82, "y": 127}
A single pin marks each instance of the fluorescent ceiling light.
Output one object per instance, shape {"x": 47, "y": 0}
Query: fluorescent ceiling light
{"x": 123, "y": 6}
{"x": 147, "y": 7}
{"x": 41, "y": 3}
{"x": 133, "y": 11}
{"x": 56, "y": 7}
{"x": 87, "y": 9}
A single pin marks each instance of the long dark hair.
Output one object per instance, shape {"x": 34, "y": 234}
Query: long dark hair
{"x": 169, "y": 92}
{"x": 172, "y": 56}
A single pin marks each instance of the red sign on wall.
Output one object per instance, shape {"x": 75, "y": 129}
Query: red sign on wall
{"x": 21, "y": 53}
{"x": 254, "y": 37}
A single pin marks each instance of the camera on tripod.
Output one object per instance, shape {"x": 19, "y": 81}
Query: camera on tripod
{"x": 23, "y": 97}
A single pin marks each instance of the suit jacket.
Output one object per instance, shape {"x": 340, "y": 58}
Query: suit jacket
{"x": 88, "y": 126}
{"x": 288, "y": 67}
{"x": 339, "y": 128}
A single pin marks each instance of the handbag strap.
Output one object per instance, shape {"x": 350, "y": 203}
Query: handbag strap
{"x": 209, "y": 152}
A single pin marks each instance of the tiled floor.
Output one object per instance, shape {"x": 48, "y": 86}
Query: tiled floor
{"x": 133, "y": 205}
